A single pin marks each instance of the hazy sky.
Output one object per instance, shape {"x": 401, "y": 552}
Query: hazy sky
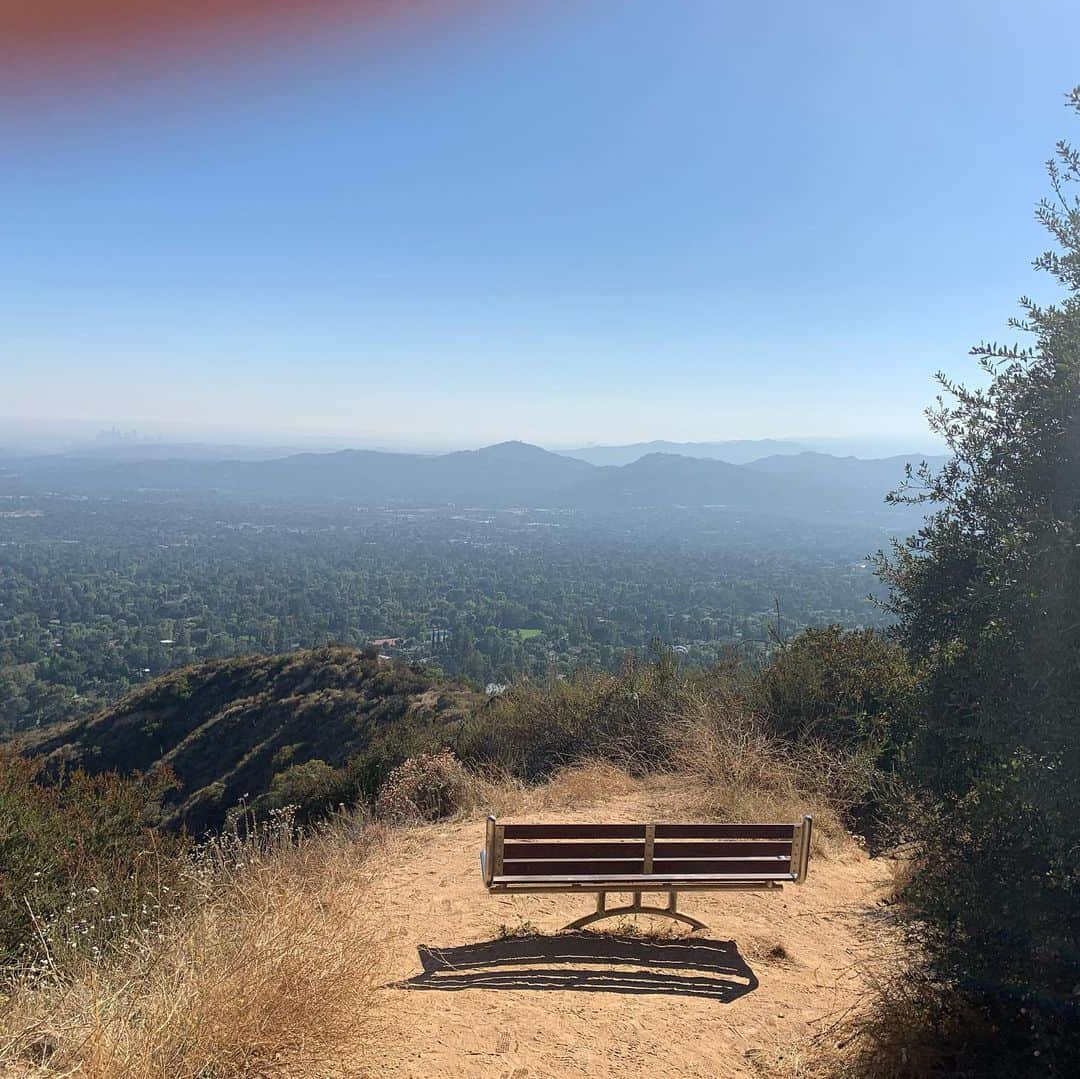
{"x": 602, "y": 220}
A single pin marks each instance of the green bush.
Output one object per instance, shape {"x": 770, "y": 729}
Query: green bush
{"x": 841, "y": 687}
{"x": 531, "y": 730}
{"x": 854, "y": 693}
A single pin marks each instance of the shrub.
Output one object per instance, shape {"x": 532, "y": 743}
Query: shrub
{"x": 651, "y": 717}
{"x": 310, "y": 787}
{"x": 988, "y": 600}
{"x": 844, "y": 688}
{"x": 531, "y": 730}
{"x": 855, "y": 694}
{"x": 424, "y": 788}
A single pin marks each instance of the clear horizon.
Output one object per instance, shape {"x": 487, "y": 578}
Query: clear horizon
{"x": 600, "y": 225}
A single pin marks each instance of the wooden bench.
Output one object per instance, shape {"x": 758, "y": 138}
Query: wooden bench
{"x": 638, "y": 858}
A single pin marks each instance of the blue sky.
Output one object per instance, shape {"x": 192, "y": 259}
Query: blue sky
{"x": 577, "y": 222}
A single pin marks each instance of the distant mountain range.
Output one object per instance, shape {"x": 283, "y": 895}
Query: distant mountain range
{"x": 510, "y": 474}
{"x": 746, "y": 450}
{"x": 735, "y": 452}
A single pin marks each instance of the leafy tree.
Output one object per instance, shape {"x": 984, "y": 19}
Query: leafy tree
{"x": 987, "y": 596}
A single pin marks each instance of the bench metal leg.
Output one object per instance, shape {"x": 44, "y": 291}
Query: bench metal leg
{"x": 603, "y": 911}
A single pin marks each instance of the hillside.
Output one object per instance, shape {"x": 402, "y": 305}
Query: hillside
{"x": 666, "y": 479}
{"x": 511, "y": 473}
{"x": 266, "y": 729}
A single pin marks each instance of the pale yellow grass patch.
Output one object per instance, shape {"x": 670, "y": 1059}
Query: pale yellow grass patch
{"x": 739, "y": 771}
{"x": 584, "y": 783}
{"x": 270, "y": 967}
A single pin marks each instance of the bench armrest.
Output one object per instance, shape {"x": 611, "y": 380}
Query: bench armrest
{"x": 800, "y": 850}
{"x": 487, "y": 855}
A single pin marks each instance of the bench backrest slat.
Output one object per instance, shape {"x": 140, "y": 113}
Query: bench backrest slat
{"x": 721, "y": 848}
{"x": 725, "y": 831}
{"x": 573, "y": 831}
{"x": 573, "y": 849}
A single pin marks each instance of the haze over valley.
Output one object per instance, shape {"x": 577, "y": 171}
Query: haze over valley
{"x": 124, "y": 559}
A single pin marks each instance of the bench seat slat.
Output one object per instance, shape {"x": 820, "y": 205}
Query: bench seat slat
{"x": 614, "y": 881}
{"x": 521, "y": 868}
{"x": 725, "y": 866}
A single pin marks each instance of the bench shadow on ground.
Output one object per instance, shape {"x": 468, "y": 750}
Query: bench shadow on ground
{"x": 590, "y": 963}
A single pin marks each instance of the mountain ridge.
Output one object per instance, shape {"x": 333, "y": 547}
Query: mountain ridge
{"x": 734, "y": 451}
{"x": 504, "y": 475}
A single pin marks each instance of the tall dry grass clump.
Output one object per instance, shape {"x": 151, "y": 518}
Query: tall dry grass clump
{"x": 710, "y": 726}
{"x": 427, "y": 787}
{"x": 268, "y": 968}
{"x": 582, "y": 784}
{"x": 744, "y": 771}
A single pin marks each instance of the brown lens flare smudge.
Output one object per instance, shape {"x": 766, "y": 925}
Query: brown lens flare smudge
{"x": 46, "y": 40}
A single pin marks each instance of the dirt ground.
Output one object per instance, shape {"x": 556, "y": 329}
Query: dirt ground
{"x": 483, "y": 985}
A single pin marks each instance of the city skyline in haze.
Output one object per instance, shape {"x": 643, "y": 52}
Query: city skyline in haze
{"x": 598, "y": 224}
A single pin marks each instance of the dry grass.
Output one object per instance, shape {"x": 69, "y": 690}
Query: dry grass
{"x": 741, "y": 772}
{"x": 906, "y": 1027}
{"x": 496, "y": 791}
{"x": 724, "y": 764}
{"x": 478, "y": 792}
{"x": 270, "y": 967}
{"x": 586, "y": 783}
